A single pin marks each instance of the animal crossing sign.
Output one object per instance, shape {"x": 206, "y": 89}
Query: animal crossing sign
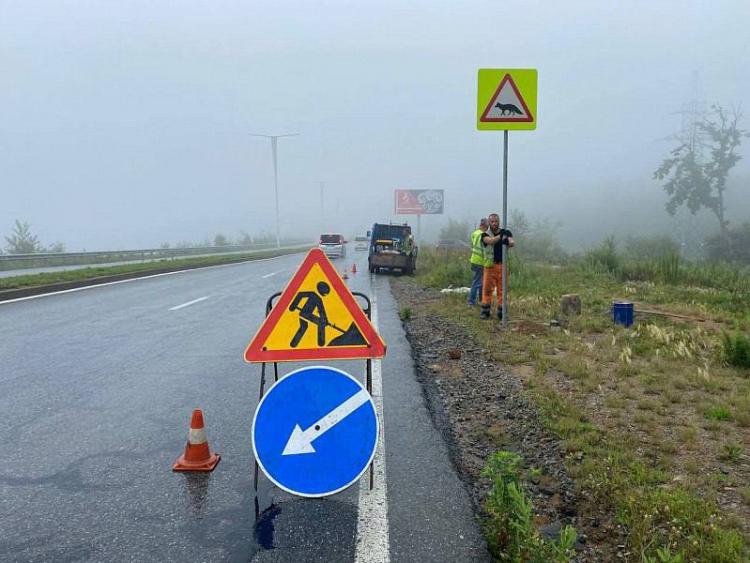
{"x": 316, "y": 317}
{"x": 506, "y": 99}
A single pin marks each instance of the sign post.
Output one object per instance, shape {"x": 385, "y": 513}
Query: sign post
{"x": 506, "y": 100}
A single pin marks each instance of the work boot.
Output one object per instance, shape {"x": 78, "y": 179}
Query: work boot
{"x": 499, "y": 314}
{"x": 485, "y": 314}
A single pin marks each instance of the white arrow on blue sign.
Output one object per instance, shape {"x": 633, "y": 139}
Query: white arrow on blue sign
{"x": 315, "y": 431}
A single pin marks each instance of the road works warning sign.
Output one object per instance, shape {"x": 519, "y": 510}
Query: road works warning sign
{"x": 316, "y": 317}
{"x": 506, "y": 99}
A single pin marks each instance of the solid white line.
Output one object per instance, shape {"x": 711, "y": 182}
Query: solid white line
{"x": 189, "y": 303}
{"x": 373, "y": 544}
{"x": 94, "y": 286}
{"x": 269, "y": 275}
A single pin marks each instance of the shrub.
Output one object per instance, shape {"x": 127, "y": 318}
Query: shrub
{"x": 650, "y": 247}
{"x": 405, "y": 314}
{"x": 510, "y": 528}
{"x": 734, "y": 246}
{"x": 736, "y": 349}
{"x": 604, "y": 256}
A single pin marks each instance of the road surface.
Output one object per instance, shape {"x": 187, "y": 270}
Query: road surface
{"x": 98, "y": 387}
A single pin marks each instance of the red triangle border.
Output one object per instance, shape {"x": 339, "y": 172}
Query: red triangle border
{"x": 254, "y": 353}
{"x": 528, "y": 119}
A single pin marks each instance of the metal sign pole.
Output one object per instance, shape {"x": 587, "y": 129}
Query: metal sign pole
{"x": 505, "y": 225}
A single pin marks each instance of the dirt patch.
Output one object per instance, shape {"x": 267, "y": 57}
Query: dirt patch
{"x": 480, "y": 407}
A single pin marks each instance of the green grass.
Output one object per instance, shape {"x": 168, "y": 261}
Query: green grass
{"x": 718, "y": 412}
{"x": 674, "y": 399}
{"x": 34, "y": 280}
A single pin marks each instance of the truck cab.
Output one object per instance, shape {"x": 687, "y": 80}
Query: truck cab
{"x": 392, "y": 247}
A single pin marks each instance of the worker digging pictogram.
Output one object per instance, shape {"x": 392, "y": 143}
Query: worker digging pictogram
{"x": 311, "y": 309}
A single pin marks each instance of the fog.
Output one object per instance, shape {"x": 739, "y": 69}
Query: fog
{"x": 127, "y": 124}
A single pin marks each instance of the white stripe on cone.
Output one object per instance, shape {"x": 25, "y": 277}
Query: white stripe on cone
{"x": 197, "y": 436}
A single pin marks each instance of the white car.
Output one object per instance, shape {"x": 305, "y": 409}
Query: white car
{"x": 361, "y": 243}
{"x": 333, "y": 245}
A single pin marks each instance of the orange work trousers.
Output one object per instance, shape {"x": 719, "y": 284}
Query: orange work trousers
{"x": 492, "y": 281}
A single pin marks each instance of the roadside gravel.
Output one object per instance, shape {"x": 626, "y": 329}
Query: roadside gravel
{"x": 480, "y": 408}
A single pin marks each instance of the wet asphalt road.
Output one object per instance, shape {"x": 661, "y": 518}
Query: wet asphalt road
{"x": 97, "y": 390}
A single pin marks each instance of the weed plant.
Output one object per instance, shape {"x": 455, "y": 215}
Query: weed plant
{"x": 510, "y": 527}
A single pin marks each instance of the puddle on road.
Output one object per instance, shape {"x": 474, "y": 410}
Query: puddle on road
{"x": 264, "y": 525}
{"x": 196, "y": 485}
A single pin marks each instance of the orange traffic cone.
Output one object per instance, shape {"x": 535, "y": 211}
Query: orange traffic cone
{"x": 354, "y": 268}
{"x": 197, "y": 456}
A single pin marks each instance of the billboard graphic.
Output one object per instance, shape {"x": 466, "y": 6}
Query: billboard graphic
{"x": 419, "y": 202}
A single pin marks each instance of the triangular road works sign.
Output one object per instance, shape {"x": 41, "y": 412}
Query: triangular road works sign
{"x": 315, "y": 318}
{"x": 507, "y": 105}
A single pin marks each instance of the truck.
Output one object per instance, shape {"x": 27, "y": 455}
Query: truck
{"x": 392, "y": 247}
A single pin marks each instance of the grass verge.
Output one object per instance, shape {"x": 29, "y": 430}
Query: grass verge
{"x": 654, "y": 419}
{"x": 90, "y": 273}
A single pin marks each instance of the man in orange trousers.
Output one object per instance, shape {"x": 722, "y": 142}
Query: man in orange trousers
{"x": 493, "y": 242}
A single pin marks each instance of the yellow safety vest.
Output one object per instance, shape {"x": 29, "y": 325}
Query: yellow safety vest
{"x": 477, "y": 252}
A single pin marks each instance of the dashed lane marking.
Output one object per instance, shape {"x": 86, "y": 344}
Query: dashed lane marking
{"x": 177, "y": 307}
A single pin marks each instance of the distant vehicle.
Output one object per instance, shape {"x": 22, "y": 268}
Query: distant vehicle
{"x": 392, "y": 247}
{"x": 452, "y": 244}
{"x": 361, "y": 243}
{"x": 334, "y": 245}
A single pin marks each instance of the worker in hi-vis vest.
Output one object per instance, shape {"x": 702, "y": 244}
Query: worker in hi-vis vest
{"x": 493, "y": 242}
{"x": 477, "y": 261}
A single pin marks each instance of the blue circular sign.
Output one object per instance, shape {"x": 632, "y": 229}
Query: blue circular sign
{"x": 315, "y": 431}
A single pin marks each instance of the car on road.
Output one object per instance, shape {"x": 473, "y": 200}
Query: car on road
{"x": 361, "y": 243}
{"x": 333, "y": 244}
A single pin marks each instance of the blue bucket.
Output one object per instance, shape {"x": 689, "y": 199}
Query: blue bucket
{"x": 622, "y": 313}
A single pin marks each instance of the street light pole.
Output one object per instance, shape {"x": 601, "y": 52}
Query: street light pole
{"x": 274, "y": 142}
{"x": 322, "y": 205}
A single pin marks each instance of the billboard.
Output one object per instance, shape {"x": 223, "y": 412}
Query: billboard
{"x": 419, "y": 202}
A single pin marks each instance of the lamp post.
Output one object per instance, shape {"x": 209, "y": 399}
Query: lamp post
{"x": 274, "y": 141}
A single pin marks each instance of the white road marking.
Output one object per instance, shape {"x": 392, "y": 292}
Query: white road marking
{"x": 189, "y": 303}
{"x": 269, "y": 275}
{"x": 373, "y": 544}
{"x": 94, "y": 286}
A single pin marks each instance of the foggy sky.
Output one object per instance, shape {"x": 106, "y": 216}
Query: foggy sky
{"x": 126, "y": 124}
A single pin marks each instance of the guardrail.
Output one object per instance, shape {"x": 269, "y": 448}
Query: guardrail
{"x": 44, "y": 260}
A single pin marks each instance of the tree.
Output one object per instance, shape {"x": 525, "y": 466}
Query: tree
{"x": 21, "y": 241}
{"x": 245, "y": 239}
{"x": 455, "y": 230}
{"x": 698, "y": 181}
{"x": 518, "y": 223}
{"x": 733, "y": 246}
{"x": 221, "y": 240}
{"x": 57, "y": 247}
